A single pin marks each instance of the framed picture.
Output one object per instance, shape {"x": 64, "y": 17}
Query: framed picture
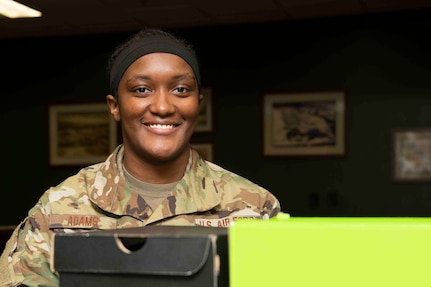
{"x": 304, "y": 123}
{"x": 411, "y": 154}
{"x": 205, "y": 118}
{"x": 80, "y": 133}
{"x": 206, "y": 150}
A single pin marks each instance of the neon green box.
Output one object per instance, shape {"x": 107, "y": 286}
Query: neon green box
{"x": 335, "y": 252}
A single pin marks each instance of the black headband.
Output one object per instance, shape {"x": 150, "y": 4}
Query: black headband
{"x": 148, "y": 45}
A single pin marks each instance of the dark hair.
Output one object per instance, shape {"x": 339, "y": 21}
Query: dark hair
{"x": 150, "y": 40}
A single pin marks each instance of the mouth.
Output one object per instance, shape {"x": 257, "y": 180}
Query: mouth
{"x": 161, "y": 126}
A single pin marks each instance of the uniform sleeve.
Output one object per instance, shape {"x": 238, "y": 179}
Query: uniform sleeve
{"x": 271, "y": 204}
{"x": 276, "y": 207}
{"x": 26, "y": 257}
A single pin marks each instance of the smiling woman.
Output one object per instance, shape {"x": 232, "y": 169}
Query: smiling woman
{"x": 154, "y": 177}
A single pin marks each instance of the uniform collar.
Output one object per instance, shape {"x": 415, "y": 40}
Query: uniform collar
{"x": 195, "y": 192}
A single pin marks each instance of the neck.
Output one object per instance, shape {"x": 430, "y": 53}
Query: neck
{"x": 156, "y": 172}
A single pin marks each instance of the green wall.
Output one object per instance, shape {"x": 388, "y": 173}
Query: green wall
{"x": 382, "y": 61}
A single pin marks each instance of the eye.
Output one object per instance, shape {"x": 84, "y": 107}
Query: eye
{"x": 181, "y": 91}
{"x": 141, "y": 90}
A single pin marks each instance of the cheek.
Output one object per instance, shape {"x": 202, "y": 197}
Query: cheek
{"x": 131, "y": 109}
{"x": 191, "y": 109}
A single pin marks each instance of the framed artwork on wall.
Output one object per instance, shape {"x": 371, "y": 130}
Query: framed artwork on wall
{"x": 80, "y": 133}
{"x": 205, "y": 118}
{"x": 205, "y": 149}
{"x": 304, "y": 123}
{"x": 411, "y": 154}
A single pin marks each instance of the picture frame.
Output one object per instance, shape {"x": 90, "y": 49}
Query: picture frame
{"x": 80, "y": 133}
{"x": 205, "y": 149}
{"x": 205, "y": 117}
{"x": 411, "y": 154}
{"x": 304, "y": 123}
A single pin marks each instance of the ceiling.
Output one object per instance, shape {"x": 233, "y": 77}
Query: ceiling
{"x": 81, "y": 17}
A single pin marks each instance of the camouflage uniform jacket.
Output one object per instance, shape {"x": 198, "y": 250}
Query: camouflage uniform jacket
{"x": 98, "y": 197}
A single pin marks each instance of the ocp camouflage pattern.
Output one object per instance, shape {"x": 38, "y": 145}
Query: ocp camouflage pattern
{"x": 99, "y": 198}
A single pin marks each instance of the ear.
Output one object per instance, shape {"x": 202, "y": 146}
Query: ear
{"x": 201, "y": 97}
{"x": 113, "y": 107}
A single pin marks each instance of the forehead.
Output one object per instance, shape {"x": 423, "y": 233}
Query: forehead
{"x": 159, "y": 66}
{"x": 160, "y": 61}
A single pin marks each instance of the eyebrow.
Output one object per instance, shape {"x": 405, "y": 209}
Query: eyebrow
{"x": 176, "y": 77}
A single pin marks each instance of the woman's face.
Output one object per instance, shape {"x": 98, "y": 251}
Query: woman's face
{"x": 157, "y": 106}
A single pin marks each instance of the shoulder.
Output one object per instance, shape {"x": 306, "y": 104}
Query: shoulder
{"x": 223, "y": 173}
{"x": 241, "y": 192}
{"x": 229, "y": 179}
{"x": 84, "y": 176}
{"x": 74, "y": 186}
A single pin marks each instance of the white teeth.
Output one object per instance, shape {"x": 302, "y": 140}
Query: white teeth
{"x": 160, "y": 126}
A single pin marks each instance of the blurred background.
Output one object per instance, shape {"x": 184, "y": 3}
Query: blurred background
{"x": 376, "y": 52}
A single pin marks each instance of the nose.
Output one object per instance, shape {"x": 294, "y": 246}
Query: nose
{"x": 163, "y": 103}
